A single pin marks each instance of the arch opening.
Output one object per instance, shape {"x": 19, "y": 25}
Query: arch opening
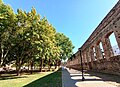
{"x": 102, "y": 50}
{"x": 94, "y": 54}
{"x": 114, "y": 44}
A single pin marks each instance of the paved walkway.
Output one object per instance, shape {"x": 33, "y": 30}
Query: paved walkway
{"x": 72, "y": 78}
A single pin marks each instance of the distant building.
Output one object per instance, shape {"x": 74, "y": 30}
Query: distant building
{"x": 116, "y": 50}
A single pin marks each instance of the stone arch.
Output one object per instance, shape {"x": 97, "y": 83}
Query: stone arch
{"x": 108, "y": 34}
{"x": 98, "y": 42}
{"x": 113, "y": 45}
{"x": 93, "y": 53}
{"x": 101, "y": 53}
{"x": 107, "y": 43}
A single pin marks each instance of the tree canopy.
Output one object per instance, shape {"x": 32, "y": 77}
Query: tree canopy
{"x": 66, "y": 46}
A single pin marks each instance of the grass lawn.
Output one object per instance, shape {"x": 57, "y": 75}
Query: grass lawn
{"x": 48, "y": 79}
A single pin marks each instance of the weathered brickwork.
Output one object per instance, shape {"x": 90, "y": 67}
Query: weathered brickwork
{"x": 93, "y": 58}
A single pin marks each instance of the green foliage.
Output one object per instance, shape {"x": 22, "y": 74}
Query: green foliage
{"x": 25, "y": 37}
{"x": 1, "y": 2}
{"x": 65, "y": 45}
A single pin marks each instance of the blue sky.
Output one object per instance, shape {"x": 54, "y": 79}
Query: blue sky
{"x": 77, "y": 19}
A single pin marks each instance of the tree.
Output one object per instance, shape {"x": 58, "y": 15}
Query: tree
{"x": 47, "y": 37}
{"x": 65, "y": 45}
{"x": 26, "y": 32}
{"x": 7, "y": 23}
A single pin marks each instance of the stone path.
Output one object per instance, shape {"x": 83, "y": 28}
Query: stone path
{"x": 72, "y": 78}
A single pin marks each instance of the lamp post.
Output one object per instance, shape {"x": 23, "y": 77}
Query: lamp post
{"x": 81, "y": 65}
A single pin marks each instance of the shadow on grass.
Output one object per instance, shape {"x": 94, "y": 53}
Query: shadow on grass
{"x": 51, "y": 80}
{"x": 11, "y": 77}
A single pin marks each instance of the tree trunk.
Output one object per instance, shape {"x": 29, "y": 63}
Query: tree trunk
{"x": 49, "y": 65}
{"x": 41, "y": 64}
{"x": 56, "y": 64}
{"x": 28, "y": 66}
{"x": 18, "y": 69}
{"x": 0, "y": 62}
{"x": 1, "y": 57}
{"x": 31, "y": 67}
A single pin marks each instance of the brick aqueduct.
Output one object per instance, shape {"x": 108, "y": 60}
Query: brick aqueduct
{"x": 93, "y": 56}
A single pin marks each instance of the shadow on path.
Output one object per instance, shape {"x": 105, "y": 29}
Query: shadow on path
{"x": 101, "y": 76}
{"x": 72, "y": 78}
{"x": 105, "y": 77}
{"x": 66, "y": 79}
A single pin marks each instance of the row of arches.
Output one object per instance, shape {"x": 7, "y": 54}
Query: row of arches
{"x": 102, "y": 49}
{"x": 97, "y": 54}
